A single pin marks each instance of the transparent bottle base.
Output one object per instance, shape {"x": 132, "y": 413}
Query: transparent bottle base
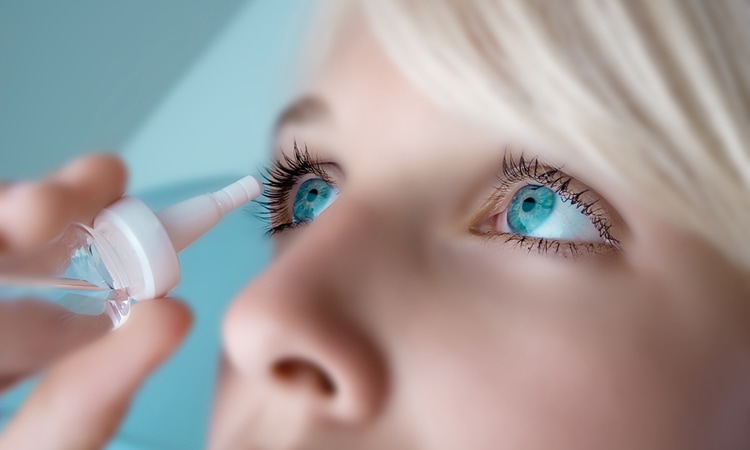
{"x": 119, "y": 311}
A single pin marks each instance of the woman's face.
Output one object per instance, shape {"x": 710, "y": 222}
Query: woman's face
{"x": 431, "y": 290}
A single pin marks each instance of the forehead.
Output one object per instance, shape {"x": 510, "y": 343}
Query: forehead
{"x": 369, "y": 116}
{"x": 361, "y": 106}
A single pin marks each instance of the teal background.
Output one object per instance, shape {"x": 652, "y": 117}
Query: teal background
{"x": 186, "y": 92}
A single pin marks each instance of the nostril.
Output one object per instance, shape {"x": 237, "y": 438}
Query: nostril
{"x": 297, "y": 371}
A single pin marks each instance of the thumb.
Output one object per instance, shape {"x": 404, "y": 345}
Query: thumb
{"x": 80, "y": 403}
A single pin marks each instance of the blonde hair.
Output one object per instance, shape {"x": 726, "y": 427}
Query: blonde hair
{"x": 655, "y": 94}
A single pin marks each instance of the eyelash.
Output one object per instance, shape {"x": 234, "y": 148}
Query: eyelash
{"x": 283, "y": 175}
{"x": 515, "y": 172}
{"x": 280, "y": 179}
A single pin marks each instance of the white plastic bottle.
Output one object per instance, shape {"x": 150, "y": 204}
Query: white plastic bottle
{"x": 83, "y": 284}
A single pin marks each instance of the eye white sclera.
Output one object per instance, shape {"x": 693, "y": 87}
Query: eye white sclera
{"x": 566, "y": 222}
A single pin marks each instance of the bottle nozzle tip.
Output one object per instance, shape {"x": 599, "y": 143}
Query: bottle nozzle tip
{"x": 239, "y": 193}
{"x": 187, "y": 221}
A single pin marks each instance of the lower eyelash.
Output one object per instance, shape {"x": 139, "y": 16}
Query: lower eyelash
{"x": 561, "y": 248}
{"x": 275, "y": 229}
{"x": 564, "y": 249}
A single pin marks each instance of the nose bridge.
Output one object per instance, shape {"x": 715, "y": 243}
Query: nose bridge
{"x": 342, "y": 248}
{"x": 299, "y": 317}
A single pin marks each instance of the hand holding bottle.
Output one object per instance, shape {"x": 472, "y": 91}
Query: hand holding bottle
{"x": 81, "y": 400}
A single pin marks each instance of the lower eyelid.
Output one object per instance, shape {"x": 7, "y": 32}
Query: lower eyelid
{"x": 553, "y": 247}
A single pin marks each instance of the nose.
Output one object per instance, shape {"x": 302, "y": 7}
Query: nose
{"x": 296, "y": 329}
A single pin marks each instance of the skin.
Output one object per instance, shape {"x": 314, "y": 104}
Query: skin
{"x": 388, "y": 323}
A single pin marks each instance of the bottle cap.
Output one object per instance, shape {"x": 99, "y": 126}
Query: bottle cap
{"x": 146, "y": 243}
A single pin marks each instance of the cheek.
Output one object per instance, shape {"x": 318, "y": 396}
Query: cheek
{"x": 594, "y": 359}
{"x": 541, "y": 383}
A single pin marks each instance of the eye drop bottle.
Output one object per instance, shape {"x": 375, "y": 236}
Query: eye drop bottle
{"x": 83, "y": 284}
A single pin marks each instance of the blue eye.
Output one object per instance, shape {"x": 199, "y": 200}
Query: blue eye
{"x": 313, "y": 197}
{"x": 538, "y": 211}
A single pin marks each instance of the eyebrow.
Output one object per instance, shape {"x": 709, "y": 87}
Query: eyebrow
{"x": 306, "y": 109}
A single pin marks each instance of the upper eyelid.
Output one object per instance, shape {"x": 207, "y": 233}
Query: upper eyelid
{"x": 549, "y": 175}
{"x": 506, "y": 178}
{"x": 307, "y": 109}
{"x": 328, "y": 170}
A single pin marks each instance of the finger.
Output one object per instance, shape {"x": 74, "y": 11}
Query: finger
{"x": 81, "y": 401}
{"x": 95, "y": 181}
{"x": 34, "y": 213}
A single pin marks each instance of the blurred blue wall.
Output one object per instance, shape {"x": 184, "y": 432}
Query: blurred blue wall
{"x": 186, "y": 91}
{"x": 85, "y": 74}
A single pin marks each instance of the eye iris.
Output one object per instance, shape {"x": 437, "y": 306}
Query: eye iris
{"x": 312, "y": 198}
{"x": 530, "y": 208}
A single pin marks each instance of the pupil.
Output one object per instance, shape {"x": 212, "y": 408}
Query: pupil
{"x": 312, "y": 194}
{"x": 528, "y": 204}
